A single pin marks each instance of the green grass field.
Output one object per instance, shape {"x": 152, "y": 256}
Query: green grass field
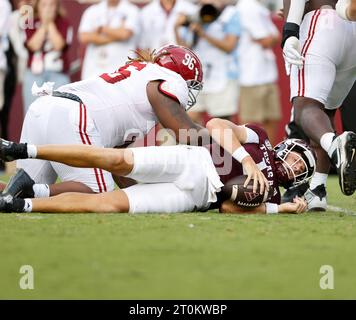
{"x": 181, "y": 256}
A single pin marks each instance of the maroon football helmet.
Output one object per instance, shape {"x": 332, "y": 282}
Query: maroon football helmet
{"x": 285, "y": 173}
{"x": 186, "y": 63}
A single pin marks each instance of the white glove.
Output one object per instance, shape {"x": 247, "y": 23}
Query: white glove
{"x": 292, "y": 54}
{"x": 341, "y": 8}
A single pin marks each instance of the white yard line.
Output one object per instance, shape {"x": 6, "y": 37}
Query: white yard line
{"x": 342, "y": 210}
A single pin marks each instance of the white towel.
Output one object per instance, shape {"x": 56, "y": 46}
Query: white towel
{"x": 45, "y": 90}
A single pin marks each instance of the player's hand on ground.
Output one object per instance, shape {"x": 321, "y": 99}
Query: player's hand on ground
{"x": 299, "y": 205}
{"x": 292, "y": 54}
{"x": 253, "y": 172}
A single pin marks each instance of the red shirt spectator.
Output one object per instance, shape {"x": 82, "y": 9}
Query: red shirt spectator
{"x": 50, "y": 59}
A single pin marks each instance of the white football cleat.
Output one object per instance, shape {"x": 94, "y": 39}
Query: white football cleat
{"x": 316, "y": 198}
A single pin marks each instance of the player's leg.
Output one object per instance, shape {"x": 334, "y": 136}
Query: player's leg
{"x": 190, "y": 169}
{"x": 141, "y": 198}
{"x": 319, "y": 80}
{"x": 159, "y": 198}
{"x": 108, "y": 202}
{"x": 31, "y": 171}
{"x": 73, "y": 121}
{"x": 118, "y": 161}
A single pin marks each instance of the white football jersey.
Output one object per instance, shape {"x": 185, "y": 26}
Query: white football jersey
{"x": 118, "y": 102}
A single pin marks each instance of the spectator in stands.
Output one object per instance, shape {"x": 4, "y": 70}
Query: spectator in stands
{"x": 18, "y": 24}
{"x": 158, "y": 19}
{"x": 214, "y": 34}
{"x": 5, "y": 9}
{"x": 109, "y": 29}
{"x": 47, "y": 43}
{"x": 260, "y": 101}
{"x": 16, "y": 58}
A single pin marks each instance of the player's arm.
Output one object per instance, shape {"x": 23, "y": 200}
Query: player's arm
{"x": 346, "y": 9}
{"x": 352, "y": 10}
{"x": 299, "y": 205}
{"x": 172, "y": 116}
{"x": 231, "y": 137}
{"x": 294, "y": 11}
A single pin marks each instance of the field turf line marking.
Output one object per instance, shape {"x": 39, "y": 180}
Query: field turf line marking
{"x": 342, "y": 210}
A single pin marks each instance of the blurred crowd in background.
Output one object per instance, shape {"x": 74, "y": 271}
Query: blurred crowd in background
{"x": 234, "y": 40}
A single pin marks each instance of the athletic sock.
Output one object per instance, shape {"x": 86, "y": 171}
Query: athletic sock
{"x": 41, "y": 190}
{"x": 326, "y": 140}
{"x": 27, "y": 205}
{"x": 31, "y": 151}
{"x": 318, "y": 179}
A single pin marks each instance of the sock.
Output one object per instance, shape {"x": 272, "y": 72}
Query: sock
{"x": 326, "y": 140}
{"x": 318, "y": 179}
{"x": 41, "y": 190}
{"x": 31, "y": 151}
{"x": 28, "y": 205}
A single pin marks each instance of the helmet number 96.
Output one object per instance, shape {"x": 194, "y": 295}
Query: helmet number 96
{"x": 189, "y": 61}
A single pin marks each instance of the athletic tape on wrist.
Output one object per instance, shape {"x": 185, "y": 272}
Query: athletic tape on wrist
{"x": 240, "y": 154}
{"x": 289, "y": 30}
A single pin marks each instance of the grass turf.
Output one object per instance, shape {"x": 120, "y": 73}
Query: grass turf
{"x": 181, "y": 256}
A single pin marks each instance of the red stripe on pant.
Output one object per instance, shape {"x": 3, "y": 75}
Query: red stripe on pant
{"x": 311, "y": 33}
{"x": 85, "y": 140}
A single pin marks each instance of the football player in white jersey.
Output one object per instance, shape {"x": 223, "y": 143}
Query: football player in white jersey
{"x": 320, "y": 52}
{"x": 106, "y": 111}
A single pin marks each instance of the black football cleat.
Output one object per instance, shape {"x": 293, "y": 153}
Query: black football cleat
{"x": 343, "y": 155}
{"x": 293, "y": 192}
{"x": 10, "y": 151}
{"x": 8, "y": 204}
{"x": 20, "y": 185}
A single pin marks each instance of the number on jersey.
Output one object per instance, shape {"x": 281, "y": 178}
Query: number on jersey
{"x": 123, "y": 73}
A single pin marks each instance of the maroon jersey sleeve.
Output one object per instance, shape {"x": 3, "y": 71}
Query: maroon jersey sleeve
{"x": 276, "y": 197}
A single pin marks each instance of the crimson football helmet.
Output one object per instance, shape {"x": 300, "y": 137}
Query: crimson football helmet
{"x": 287, "y": 176}
{"x": 186, "y": 63}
